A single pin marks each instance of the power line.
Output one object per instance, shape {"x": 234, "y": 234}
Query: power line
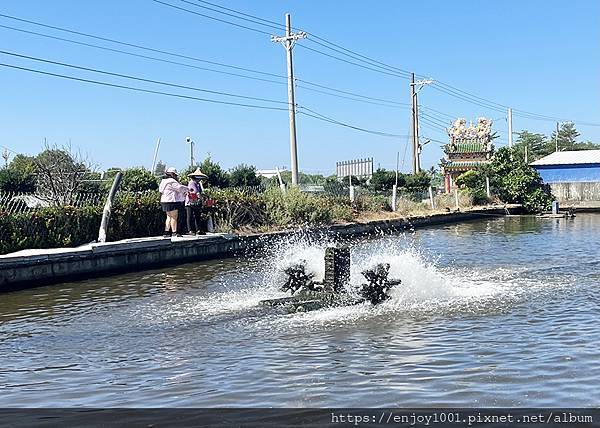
{"x": 211, "y": 17}
{"x": 381, "y": 66}
{"x": 350, "y": 62}
{"x": 254, "y": 20}
{"x": 358, "y": 57}
{"x": 322, "y": 117}
{"x": 353, "y": 93}
{"x": 152, "y": 58}
{"x": 133, "y": 45}
{"x": 149, "y": 91}
{"x": 272, "y": 24}
{"x": 350, "y": 98}
{"x": 140, "y": 79}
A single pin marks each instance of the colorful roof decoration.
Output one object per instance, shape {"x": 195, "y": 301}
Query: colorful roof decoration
{"x": 466, "y": 146}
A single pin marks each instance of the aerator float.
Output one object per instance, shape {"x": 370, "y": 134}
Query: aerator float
{"x": 308, "y": 294}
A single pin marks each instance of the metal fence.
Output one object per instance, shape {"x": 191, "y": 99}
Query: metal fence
{"x": 16, "y": 202}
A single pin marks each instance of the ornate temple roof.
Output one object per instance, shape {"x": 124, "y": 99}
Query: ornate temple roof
{"x": 467, "y": 146}
{"x": 463, "y": 164}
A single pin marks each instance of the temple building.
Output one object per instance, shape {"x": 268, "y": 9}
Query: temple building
{"x": 470, "y": 147}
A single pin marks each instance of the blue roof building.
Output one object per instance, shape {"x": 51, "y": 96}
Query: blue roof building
{"x": 581, "y": 166}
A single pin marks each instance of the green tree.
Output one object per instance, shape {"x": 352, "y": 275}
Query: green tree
{"x": 537, "y": 145}
{"x": 567, "y": 136}
{"x": 243, "y": 175}
{"x": 385, "y": 180}
{"x": 514, "y": 181}
{"x": 159, "y": 169}
{"x": 18, "y": 176}
{"x": 475, "y": 184}
{"x": 418, "y": 182}
{"x": 217, "y": 177}
{"x": 138, "y": 180}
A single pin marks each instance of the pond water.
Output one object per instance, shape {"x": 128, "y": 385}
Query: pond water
{"x": 497, "y": 312}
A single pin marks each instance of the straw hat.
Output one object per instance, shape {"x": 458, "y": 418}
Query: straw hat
{"x": 198, "y": 174}
{"x": 171, "y": 170}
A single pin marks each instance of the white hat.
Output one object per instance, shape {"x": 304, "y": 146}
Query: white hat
{"x": 171, "y": 170}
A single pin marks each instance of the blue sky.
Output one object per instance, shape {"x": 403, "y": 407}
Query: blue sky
{"x": 538, "y": 56}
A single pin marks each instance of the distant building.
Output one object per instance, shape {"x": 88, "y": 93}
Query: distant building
{"x": 573, "y": 176}
{"x": 470, "y": 147}
{"x": 361, "y": 168}
{"x": 269, "y": 173}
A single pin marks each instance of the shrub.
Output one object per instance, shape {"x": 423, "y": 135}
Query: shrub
{"x": 138, "y": 180}
{"x": 295, "y": 208}
{"x": 235, "y": 209}
{"x": 243, "y": 175}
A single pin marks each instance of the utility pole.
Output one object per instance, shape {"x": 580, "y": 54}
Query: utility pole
{"x": 415, "y": 129}
{"x": 192, "y": 159}
{"x": 510, "y": 130}
{"x": 288, "y": 42}
{"x": 155, "y": 155}
{"x": 415, "y": 119}
{"x": 556, "y": 137}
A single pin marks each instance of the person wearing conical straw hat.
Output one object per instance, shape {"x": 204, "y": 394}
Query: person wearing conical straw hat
{"x": 193, "y": 203}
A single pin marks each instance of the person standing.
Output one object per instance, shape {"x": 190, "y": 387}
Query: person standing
{"x": 172, "y": 195}
{"x": 193, "y": 203}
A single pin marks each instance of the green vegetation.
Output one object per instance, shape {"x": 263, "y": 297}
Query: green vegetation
{"x": 514, "y": 181}
{"x": 474, "y": 183}
{"x": 138, "y": 180}
{"x": 243, "y": 175}
{"x": 539, "y": 145}
{"x": 511, "y": 180}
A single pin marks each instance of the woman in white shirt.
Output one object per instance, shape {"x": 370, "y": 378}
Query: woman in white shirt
{"x": 172, "y": 196}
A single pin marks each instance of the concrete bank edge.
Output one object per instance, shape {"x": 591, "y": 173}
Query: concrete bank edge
{"x": 27, "y": 271}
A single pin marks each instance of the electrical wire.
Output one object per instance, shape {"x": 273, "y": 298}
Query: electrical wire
{"x": 380, "y": 66}
{"x": 152, "y": 58}
{"x": 113, "y": 85}
{"x": 137, "y": 46}
{"x": 348, "y": 62}
{"x": 140, "y": 79}
{"x": 349, "y": 98}
{"x": 211, "y": 17}
{"x": 322, "y": 117}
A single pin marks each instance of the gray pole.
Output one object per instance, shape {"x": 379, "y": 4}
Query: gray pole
{"x": 510, "y": 131}
{"x": 418, "y": 141}
{"x": 291, "y": 99}
{"x": 155, "y": 155}
{"x": 413, "y": 99}
{"x": 108, "y": 207}
{"x": 192, "y": 159}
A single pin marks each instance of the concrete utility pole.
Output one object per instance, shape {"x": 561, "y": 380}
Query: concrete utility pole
{"x": 556, "y": 137}
{"x": 155, "y": 155}
{"x": 288, "y": 42}
{"x": 415, "y": 119}
{"x": 415, "y": 128}
{"x": 192, "y": 159}
{"x": 510, "y": 131}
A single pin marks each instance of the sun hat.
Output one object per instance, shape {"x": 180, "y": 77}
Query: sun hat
{"x": 171, "y": 170}
{"x": 198, "y": 174}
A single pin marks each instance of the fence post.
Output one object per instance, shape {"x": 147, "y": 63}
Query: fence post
{"x": 431, "y": 198}
{"x": 487, "y": 187}
{"x": 456, "y": 198}
{"x": 108, "y": 207}
{"x": 281, "y": 183}
{"x": 352, "y": 195}
{"x": 394, "y": 193}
